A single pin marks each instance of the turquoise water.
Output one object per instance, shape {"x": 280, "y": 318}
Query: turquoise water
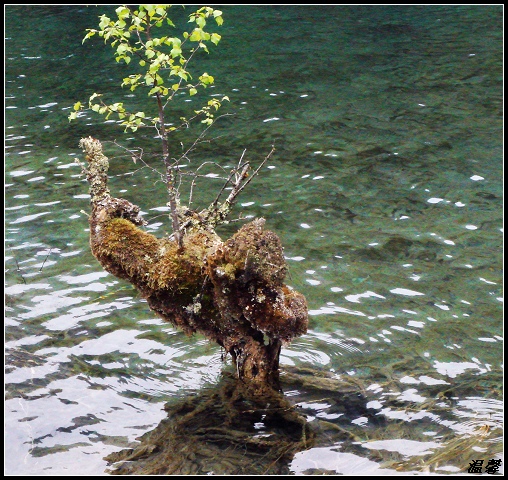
{"x": 385, "y": 188}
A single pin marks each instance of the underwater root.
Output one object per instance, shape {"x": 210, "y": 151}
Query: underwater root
{"x": 219, "y": 432}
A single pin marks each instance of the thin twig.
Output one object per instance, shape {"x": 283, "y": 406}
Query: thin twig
{"x": 195, "y": 175}
{"x": 19, "y": 270}
{"x": 137, "y": 156}
{"x": 40, "y": 269}
{"x": 257, "y": 170}
{"x": 233, "y": 173}
{"x": 198, "y": 140}
{"x": 213, "y": 205}
{"x": 238, "y": 187}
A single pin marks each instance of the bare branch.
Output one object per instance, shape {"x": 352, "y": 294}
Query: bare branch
{"x": 49, "y": 252}
{"x": 257, "y": 169}
{"x": 199, "y": 139}
{"x": 195, "y": 175}
{"x": 135, "y": 156}
{"x": 216, "y": 212}
{"x": 19, "y": 270}
{"x": 233, "y": 174}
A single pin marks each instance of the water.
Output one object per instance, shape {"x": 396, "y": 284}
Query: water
{"x": 385, "y": 188}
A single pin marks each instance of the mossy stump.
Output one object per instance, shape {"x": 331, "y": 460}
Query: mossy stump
{"x": 233, "y": 292}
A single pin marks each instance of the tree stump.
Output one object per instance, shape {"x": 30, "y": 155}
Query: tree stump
{"x": 232, "y": 292}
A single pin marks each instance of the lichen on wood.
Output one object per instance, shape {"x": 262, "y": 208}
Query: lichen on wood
{"x": 232, "y": 292}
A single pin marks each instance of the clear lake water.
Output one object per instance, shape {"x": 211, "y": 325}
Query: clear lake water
{"x": 386, "y": 189}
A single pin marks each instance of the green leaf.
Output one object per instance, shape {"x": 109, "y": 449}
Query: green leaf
{"x": 122, "y": 12}
{"x": 215, "y": 38}
{"x": 196, "y": 35}
{"x": 77, "y": 106}
{"x": 206, "y": 79}
{"x": 192, "y": 91}
{"x": 200, "y": 22}
{"x": 176, "y": 52}
{"x": 104, "y": 22}
{"x": 122, "y": 48}
{"x": 90, "y": 33}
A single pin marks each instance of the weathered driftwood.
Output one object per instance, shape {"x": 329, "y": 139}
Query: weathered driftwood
{"x": 233, "y": 292}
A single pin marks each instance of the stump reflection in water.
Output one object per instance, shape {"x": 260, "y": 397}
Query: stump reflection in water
{"x": 220, "y": 432}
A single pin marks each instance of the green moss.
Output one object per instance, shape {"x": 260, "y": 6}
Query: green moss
{"x": 230, "y": 271}
{"x": 148, "y": 262}
{"x": 182, "y": 270}
{"x": 256, "y": 252}
{"x": 122, "y": 245}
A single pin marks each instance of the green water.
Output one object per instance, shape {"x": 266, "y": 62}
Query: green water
{"x": 385, "y": 188}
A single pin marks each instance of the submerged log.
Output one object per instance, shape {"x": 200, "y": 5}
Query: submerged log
{"x": 232, "y": 292}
